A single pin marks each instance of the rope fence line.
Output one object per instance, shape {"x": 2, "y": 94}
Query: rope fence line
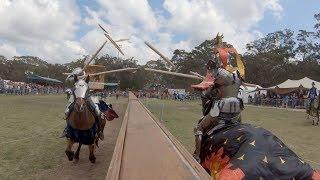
{"x": 31, "y": 137}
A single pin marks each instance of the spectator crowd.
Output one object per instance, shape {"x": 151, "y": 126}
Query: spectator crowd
{"x": 23, "y": 88}
{"x": 295, "y": 99}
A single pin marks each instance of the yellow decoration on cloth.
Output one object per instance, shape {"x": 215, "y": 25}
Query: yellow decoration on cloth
{"x": 265, "y": 159}
{"x": 241, "y": 157}
{"x": 282, "y": 161}
{"x": 253, "y": 143}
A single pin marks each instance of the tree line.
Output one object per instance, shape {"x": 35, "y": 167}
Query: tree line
{"x": 269, "y": 60}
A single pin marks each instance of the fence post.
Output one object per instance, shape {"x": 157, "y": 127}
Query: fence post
{"x": 161, "y": 115}
{"x": 147, "y": 102}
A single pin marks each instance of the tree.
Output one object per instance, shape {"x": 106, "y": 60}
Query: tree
{"x": 268, "y": 59}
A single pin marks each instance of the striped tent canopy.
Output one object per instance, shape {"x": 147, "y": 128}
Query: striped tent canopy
{"x": 43, "y": 80}
{"x": 304, "y": 83}
{"x": 289, "y": 85}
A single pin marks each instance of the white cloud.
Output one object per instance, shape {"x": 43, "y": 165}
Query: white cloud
{"x": 122, "y": 20}
{"x": 196, "y": 20}
{"x": 8, "y": 50}
{"x": 201, "y": 20}
{"x": 130, "y": 13}
{"x": 47, "y": 28}
{"x": 44, "y": 28}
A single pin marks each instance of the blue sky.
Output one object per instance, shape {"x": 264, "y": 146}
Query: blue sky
{"x": 297, "y": 15}
{"x": 67, "y": 29}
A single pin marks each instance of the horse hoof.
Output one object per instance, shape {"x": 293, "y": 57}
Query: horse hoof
{"x": 70, "y": 155}
{"x": 92, "y": 159}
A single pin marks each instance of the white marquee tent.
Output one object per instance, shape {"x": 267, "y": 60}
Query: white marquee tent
{"x": 304, "y": 82}
{"x": 250, "y": 90}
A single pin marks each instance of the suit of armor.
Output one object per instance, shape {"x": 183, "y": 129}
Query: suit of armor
{"x": 225, "y": 107}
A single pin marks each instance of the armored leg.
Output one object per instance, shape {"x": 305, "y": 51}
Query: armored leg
{"x": 68, "y": 106}
{"x": 94, "y": 101}
{"x": 204, "y": 125}
{"x": 198, "y": 142}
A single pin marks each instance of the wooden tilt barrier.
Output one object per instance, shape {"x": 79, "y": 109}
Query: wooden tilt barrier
{"x": 145, "y": 149}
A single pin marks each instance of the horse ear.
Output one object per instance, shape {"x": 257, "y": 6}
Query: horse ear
{"x": 87, "y": 79}
{"x": 75, "y": 78}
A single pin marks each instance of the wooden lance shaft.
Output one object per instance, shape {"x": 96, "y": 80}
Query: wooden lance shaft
{"x": 114, "y": 43}
{"x": 174, "y": 73}
{"x": 113, "y": 71}
{"x": 196, "y": 74}
{"x": 111, "y": 40}
{"x": 95, "y": 55}
{"x": 160, "y": 54}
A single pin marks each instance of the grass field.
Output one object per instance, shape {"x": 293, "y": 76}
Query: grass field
{"x": 290, "y": 126}
{"x": 29, "y": 138}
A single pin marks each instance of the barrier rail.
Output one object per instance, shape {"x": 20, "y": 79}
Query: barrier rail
{"x": 145, "y": 149}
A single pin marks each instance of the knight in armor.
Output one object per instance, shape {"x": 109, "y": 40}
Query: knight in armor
{"x": 93, "y": 98}
{"x": 312, "y": 94}
{"x": 221, "y": 104}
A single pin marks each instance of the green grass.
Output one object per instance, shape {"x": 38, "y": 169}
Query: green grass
{"x": 29, "y": 136}
{"x": 290, "y": 126}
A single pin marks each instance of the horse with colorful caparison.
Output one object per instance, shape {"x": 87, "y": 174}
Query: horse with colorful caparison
{"x": 243, "y": 151}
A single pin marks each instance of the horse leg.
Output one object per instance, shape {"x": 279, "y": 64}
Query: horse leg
{"x": 76, "y": 156}
{"x": 313, "y": 121}
{"x": 318, "y": 118}
{"x": 92, "y": 158}
{"x": 69, "y": 152}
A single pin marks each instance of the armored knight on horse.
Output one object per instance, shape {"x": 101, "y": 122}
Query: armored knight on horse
{"x": 313, "y": 105}
{"x": 230, "y": 149}
{"x": 86, "y": 112}
{"x": 226, "y": 147}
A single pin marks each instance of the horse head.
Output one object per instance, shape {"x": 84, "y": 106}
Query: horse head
{"x": 81, "y": 88}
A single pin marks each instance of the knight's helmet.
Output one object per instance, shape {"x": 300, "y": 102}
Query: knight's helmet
{"x": 224, "y": 69}
{"x": 76, "y": 72}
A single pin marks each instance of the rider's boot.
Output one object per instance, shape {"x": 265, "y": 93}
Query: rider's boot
{"x": 100, "y": 117}
{"x": 94, "y": 101}
{"x": 100, "y": 130}
{"x": 196, "y": 154}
